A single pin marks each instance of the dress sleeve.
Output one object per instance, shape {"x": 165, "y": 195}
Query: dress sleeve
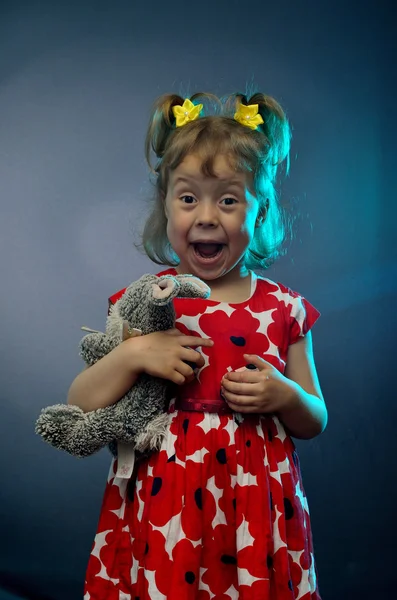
{"x": 302, "y": 316}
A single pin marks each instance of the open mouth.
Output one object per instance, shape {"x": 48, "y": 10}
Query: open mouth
{"x": 207, "y": 251}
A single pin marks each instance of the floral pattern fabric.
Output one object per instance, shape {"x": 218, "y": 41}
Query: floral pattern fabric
{"x": 220, "y": 511}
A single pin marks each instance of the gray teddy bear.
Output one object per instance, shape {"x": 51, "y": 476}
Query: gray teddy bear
{"x": 139, "y": 418}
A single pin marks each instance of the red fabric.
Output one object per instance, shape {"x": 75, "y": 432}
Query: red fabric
{"x": 113, "y": 299}
{"x": 213, "y": 405}
{"x": 220, "y": 512}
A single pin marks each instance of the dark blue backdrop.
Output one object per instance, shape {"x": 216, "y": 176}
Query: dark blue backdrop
{"x": 76, "y": 84}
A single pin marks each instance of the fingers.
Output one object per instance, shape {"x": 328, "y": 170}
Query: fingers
{"x": 190, "y": 340}
{"x": 192, "y": 356}
{"x": 242, "y": 376}
{"x": 242, "y": 403}
{"x": 257, "y": 361}
{"x": 189, "y": 379}
{"x": 181, "y": 374}
{"x": 237, "y": 399}
{"x": 190, "y": 360}
{"x": 238, "y": 402}
{"x": 241, "y": 389}
{"x": 177, "y": 378}
{"x": 200, "y": 362}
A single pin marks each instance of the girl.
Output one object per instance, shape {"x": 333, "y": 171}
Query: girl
{"x": 220, "y": 511}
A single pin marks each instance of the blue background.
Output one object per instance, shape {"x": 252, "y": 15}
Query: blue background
{"x": 76, "y": 84}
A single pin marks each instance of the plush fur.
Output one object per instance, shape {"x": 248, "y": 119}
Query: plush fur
{"x": 140, "y": 417}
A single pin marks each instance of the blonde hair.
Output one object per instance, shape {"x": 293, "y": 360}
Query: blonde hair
{"x": 259, "y": 152}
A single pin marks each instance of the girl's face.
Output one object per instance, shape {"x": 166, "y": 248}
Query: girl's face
{"x": 210, "y": 220}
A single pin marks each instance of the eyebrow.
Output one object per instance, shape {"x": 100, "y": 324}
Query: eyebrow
{"x": 222, "y": 180}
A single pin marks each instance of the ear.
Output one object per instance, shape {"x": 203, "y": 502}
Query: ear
{"x": 192, "y": 287}
{"x": 262, "y": 214}
{"x": 164, "y": 290}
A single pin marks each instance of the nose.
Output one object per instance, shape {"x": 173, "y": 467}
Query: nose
{"x": 207, "y": 215}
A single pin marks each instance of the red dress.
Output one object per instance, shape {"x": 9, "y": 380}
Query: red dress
{"x": 220, "y": 512}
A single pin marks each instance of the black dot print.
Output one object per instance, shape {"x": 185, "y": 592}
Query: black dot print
{"x": 228, "y": 560}
{"x": 171, "y": 458}
{"x": 237, "y": 341}
{"x": 198, "y": 496}
{"x": 190, "y": 577}
{"x": 131, "y": 489}
{"x": 269, "y": 561}
{"x": 289, "y": 511}
{"x": 157, "y": 483}
{"x": 185, "y": 425}
{"x": 248, "y": 443}
{"x": 221, "y": 456}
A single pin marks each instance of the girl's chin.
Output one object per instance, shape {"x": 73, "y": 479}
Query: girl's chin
{"x": 205, "y": 274}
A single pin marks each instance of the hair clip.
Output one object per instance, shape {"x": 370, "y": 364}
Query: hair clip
{"x": 187, "y": 112}
{"x": 248, "y": 116}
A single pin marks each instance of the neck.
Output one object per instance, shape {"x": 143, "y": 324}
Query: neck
{"x": 235, "y": 276}
{"x": 232, "y": 287}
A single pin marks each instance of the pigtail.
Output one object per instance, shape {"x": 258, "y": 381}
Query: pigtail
{"x": 231, "y": 102}
{"x": 275, "y": 127}
{"x": 161, "y": 124}
{"x": 275, "y": 130}
{"x": 212, "y": 105}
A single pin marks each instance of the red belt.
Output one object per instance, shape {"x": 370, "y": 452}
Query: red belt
{"x": 211, "y": 406}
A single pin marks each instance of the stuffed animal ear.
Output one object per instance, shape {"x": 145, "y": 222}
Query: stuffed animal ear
{"x": 192, "y": 287}
{"x": 165, "y": 289}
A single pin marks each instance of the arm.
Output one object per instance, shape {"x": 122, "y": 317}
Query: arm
{"x": 306, "y": 415}
{"x": 164, "y": 354}
{"x": 107, "y": 380}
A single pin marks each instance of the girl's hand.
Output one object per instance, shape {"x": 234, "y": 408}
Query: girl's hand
{"x": 165, "y": 354}
{"x": 263, "y": 391}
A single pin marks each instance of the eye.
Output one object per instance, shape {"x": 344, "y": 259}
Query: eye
{"x": 229, "y": 201}
{"x": 187, "y": 199}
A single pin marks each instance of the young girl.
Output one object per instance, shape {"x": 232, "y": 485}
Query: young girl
{"x": 220, "y": 511}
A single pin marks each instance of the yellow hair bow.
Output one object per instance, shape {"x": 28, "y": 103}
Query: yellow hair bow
{"x": 187, "y": 112}
{"x": 248, "y": 116}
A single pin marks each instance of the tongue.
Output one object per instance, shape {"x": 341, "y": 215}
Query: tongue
{"x": 208, "y": 249}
